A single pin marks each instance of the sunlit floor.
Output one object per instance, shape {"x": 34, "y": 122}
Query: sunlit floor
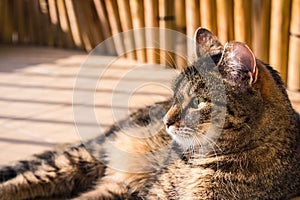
{"x": 36, "y": 102}
{"x": 41, "y": 100}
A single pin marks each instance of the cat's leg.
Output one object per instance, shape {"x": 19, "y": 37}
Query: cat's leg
{"x": 106, "y": 189}
{"x": 53, "y": 173}
{"x": 116, "y": 184}
{"x": 113, "y": 185}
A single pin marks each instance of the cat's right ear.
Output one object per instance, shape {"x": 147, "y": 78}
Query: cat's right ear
{"x": 238, "y": 63}
{"x": 206, "y": 43}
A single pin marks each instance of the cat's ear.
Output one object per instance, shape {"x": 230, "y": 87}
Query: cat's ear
{"x": 238, "y": 63}
{"x": 206, "y": 43}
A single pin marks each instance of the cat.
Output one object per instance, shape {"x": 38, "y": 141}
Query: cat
{"x": 230, "y": 133}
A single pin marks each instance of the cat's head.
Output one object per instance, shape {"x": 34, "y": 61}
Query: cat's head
{"x": 214, "y": 93}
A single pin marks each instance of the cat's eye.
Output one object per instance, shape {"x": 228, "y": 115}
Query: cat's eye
{"x": 198, "y": 102}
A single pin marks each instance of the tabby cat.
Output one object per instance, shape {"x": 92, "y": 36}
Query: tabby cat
{"x": 230, "y": 133}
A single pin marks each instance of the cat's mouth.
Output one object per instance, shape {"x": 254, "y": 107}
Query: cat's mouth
{"x": 187, "y": 136}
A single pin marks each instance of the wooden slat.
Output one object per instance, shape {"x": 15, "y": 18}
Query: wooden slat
{"x": 261, "y": 28}
{"x": 73, "y": 23}
{"x": 96, "y": 27}
{"x": 242, "y": 21}
{"x": 152, "y": 37}
{"x": 180, "y": 25}
{"x": 126, "y": 24}
{"x": 47, "y": 30}
{"x": 294, "y": 48}
{"x": 114, "y": 21}
{"x": 225, "y": 20}
{"x": 193, "y": 22}
{"x": 14, "y": 21}
{"x": 37, "y": 22}
{"x": 105, "y": 26}
{"x": 54, "y": 23}
{"x": 52, "y": 12}
{"x": 1, "y": 19}
{"x": 137, "y": 14}
{"x": 86, "y": 16}
{"x": 7, "y": 21}
{"x": 295, "y": 19}
{"x": 208, "y": 15}
{"x": 167, "y": 20}
{"x": 64, "y": 24}
{"x": 279, "y": 35}
{"x": 19, "y": 21}
{"x": 92, "y": 23}
{"x": 293, "y": 81}
{"x": 28, "y": 10}
{"x": 180, "y": 16}
{"x": 192, "y": 17}
{"x": 83, "y": 25}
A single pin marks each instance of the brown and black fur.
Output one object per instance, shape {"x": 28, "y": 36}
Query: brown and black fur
{"x": 255, "y": 156}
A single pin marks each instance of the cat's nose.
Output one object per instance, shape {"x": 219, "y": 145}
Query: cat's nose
{"x": 168, "y": 122}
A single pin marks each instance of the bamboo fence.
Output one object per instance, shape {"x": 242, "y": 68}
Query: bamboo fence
{"x": 269, "y": 27}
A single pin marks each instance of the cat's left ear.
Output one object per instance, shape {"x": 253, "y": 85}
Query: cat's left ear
{"x": 238, "y": 63}
{"x": 207, "y": 43}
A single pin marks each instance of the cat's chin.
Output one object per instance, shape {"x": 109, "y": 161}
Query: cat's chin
{"x": 186, "y": 141}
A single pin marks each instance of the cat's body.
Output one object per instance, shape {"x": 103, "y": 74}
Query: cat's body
{"x": 231, "y": 133}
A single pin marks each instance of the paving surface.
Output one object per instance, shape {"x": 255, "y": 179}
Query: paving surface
{"x": 37, "y": 87}
{"x": 41, "y": 99}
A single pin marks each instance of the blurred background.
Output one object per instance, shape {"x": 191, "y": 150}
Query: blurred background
{"x": 270, "y": 27}
{"x": 43, "y": 43}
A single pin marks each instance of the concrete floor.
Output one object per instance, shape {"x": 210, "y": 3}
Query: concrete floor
{"x": 37, "y": 87}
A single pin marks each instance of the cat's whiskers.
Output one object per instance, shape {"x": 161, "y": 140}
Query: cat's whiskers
{"x": 196, "y": 145}
{"x": 187, "y": 147}
{"x": 203, "y": 150}
{"x": 171, "y": 60}
{"x": 212, "y": 147}
{"x": 212, "y": 142}
{"x": 198, "y": 150}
